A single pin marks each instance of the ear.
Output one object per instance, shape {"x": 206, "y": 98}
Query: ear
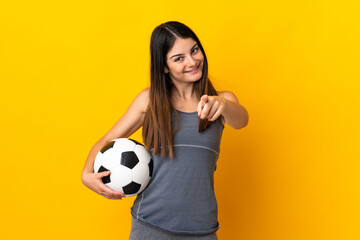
{"x": 166, "y": 70}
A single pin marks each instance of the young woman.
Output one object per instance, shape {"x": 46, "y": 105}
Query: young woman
{"x": 182, "y": 118}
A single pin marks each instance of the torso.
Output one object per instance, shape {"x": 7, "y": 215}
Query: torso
{"x": 180, "y": 197}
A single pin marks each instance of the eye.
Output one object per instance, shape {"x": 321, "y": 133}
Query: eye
{"x": 197, "y": 49}
{"x": 177, "y": 59}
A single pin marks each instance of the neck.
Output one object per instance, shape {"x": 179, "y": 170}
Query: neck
{"x": 183, "y": 92}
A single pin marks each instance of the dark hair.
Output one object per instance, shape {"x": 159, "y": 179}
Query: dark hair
{"x": 157, "y": 129}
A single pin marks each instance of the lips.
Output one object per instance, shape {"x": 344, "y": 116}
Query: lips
{"x": 193, "y": 69}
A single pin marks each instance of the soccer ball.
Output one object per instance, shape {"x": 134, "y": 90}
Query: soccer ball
{"x": 130, "y": 164}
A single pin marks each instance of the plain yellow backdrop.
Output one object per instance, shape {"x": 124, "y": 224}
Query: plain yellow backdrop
{"x": 69, "y": 70}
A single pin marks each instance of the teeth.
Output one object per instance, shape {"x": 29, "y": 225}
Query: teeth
{"x": 194, "y": 69}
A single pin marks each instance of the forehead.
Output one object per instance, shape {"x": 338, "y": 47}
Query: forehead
{"x": 181, "y": 45}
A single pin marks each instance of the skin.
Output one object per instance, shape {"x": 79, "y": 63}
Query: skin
{"x": 226, "y": 106}
{"x": 188, "y": 56}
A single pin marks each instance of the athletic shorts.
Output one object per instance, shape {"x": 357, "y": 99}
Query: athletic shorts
{"x": 142, "y": 231}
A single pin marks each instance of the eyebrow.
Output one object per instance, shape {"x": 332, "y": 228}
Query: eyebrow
{"x": 182, "y": 53}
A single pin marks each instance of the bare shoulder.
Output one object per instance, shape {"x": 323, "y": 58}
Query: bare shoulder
{"x": 228, "y": 95}
{"x": 142, "y": 99}
{"x": 131, "y": 120}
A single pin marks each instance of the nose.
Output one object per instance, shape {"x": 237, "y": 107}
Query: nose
{"x": 191, "y": 61}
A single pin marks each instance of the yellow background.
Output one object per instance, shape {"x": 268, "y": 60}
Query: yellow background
{"x": 69, "y": 70}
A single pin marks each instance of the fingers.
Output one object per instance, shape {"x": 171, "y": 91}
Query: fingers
{"x": 103, "y": 174}
{"x": 210, "y": 107}
{"x": 114, "y": 195}
{"x": 199, "y": 108}
{"x": 205, "y": 111}
{"x": 111, "y": 194}
{"x": 204, "y": 98}
{"x": 201, "y": 104}
{"x": 215, "y": 116}
{"x": 106, "y": 191}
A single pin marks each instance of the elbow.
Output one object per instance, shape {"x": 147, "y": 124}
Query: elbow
{"x": 244, "y": 122}
{"x": 82, "y": 178}
{"x": 240, "y": 127}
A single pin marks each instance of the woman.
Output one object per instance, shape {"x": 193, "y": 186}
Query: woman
{"x": 183, "y": 117}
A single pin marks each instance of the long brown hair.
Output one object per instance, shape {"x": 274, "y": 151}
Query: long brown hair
{"x": 157, "y": 126}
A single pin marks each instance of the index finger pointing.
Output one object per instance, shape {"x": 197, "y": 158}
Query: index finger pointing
{"x": 204, "y": 98}
{"x": 199, "y": 107}
{"x": 201, "y": 104}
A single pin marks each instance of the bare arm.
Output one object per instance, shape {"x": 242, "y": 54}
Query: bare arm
{"x": 234, "y": 113}
{"x": 129, "y": 122}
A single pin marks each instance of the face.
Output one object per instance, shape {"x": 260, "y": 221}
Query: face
{"x": 185, "y": 61}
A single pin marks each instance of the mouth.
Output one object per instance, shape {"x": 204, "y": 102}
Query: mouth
{"x": 194, "y": 70}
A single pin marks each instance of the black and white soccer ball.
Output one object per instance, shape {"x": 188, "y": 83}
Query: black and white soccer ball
{"x": 130, "y": 164}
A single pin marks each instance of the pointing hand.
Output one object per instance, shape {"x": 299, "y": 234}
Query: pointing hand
{"x": 210, "y": 107}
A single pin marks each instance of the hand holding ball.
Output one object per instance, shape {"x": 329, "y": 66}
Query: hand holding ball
{"x": 130, "y": 164}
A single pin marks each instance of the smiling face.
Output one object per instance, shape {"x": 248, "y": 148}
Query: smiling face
{"x": 185, "y": 61}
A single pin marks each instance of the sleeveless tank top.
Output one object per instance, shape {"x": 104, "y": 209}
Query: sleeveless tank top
{"x": 180, "y": 197}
